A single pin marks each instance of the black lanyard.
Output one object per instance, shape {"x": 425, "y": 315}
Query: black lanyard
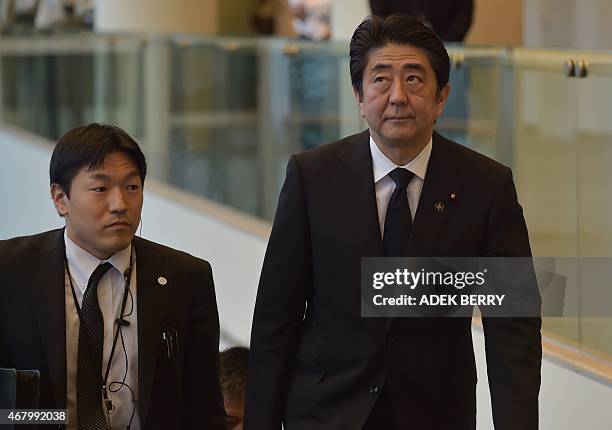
{"x": 127, "y": 278}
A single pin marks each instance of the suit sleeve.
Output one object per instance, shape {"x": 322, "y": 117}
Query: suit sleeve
{"x": 204, "y": 407}
{"x": 279, "y": 309}
{"x": 513, "y": 345}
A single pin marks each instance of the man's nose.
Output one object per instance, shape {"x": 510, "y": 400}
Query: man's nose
{"x": 398, "y": 92}
{"x": 117, "y": 201}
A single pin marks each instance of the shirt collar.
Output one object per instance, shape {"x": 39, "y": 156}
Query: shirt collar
{"x": 82, "y": 263}
{"x": 382, "y": 165}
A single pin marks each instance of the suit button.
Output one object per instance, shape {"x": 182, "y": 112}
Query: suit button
{"x": 390, "y": 341}
{"x": 374, "y": 390}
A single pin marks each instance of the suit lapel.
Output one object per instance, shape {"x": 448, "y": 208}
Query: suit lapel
{"x": 151, "y": 302}
{"x": 47, "y": 289}
{"x": 355, "y": 186}
{"x": 436, "y": 204}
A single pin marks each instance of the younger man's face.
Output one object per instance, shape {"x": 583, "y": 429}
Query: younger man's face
{"x": 103, "y": 210}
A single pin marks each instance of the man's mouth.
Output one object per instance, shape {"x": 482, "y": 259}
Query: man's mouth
{"x": 118, "y": 224}
{"x": 398, "y": 118}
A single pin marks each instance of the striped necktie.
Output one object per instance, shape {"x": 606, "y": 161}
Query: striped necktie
{"x": 90, "y": 414}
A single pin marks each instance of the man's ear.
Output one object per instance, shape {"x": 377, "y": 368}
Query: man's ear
{"x": 358, "y": 100}
{"x": 60, "y": 199}
{"x": 441, "y": 98}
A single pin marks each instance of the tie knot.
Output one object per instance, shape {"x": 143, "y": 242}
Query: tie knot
{"x": 97, "y": 274}
{"x": 401, "y": 177}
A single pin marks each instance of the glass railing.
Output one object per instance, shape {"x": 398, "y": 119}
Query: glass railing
{"x": 219, "y": 117}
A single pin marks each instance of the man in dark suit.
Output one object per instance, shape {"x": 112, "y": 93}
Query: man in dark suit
{"x": 451, "y": 19}
{"x": 315, "y": 363}
{"x": 124, "y": 331}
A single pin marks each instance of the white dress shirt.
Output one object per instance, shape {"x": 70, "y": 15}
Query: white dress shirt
{"x": 384, "y": 185}
{"x": 110, "y": 296}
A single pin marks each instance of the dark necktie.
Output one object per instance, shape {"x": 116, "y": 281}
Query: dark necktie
{"x": 89, "y": 363}
{"x": 398, "y": 221}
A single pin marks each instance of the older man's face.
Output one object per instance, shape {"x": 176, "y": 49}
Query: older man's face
{"x": 400, "y": 100}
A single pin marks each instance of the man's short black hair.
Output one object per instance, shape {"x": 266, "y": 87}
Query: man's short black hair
{"x": 88, "y": 145}
{"x": 233, "y": 368}
{"x": 376, "y": 32}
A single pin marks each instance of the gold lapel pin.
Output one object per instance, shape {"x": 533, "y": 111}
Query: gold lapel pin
{"x": 162, "y": 281}
{"x": 439, "y": 207}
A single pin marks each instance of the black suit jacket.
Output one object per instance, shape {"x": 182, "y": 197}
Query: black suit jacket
{"x": 451, "y": 19}
{"x": 181, "y": 392}
{"x": 314, "y": 361}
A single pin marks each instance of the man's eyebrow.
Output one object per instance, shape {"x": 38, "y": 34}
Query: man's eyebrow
{"x": 100, "y": 176}
{"x": 379, "y": 67}
{"x": 383, "y": 66}
{"x": 416, "y": 66}
{"x": 103, "y": 177}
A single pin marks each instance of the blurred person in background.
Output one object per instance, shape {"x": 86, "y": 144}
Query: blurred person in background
{"x": 263, "y": 17}
{"x": 311, "y": 19}
{"x": 64, "y": 14}
{"x": 28, "y": 15}
{"x": 313, "y": 73}
{"x": 18, "y": 14}
{"x": 450, "y": 19}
